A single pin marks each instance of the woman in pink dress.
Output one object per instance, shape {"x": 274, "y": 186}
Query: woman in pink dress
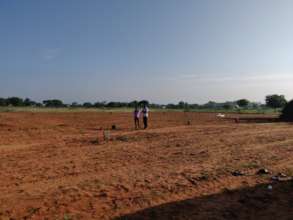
{"x": 136, "y": 114}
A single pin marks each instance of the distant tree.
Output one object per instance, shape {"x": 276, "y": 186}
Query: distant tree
{"x": 39, "y": 104}
{"x": 3, "y": 102}
{"x": 255, "y": 105}
{"x": 228, "y": 105}
{"x": 171, "y": 106}
{"x": 194, "y": 106}
{"x": 74, "y": 105}
{"x": 28, "y": 102}
{"x": 113, "y": 105}
{"x": 53, "y": 103}
{"x": 211, "y": 105}
{"x": 14, "y": 101}
{"x": 144, "y": 102}
{"x": 287, "y": 112}
{"x": 133, "y": 104}
{"x": 276, "y": 101}
{"x": 100, "y": 104}
{"x": 87, "y": 105}
{"x": 181, "y": 105}
{"x": 154, "y": 105}
{"x": 242, "y": 102}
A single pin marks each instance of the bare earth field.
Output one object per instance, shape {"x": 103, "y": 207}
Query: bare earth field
{"x": 56, "y": 166}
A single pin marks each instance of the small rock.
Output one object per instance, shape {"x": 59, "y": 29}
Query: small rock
{"x": 238, "y": 173}
{"x": 103, "y": 194}
{"x": 263, "y": 171}
{"x": 282, "y": 175}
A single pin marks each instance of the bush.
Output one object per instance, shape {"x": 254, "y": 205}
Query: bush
{"x": 287, "y": 112}
{"x": 275, "y": 101}
{"x": 87, "y": 105}
{"x": 53, "y": 103}
{"x": 2, "y": 102}
{"x": 242, "y": 102}
{"x": 14, "y": 101}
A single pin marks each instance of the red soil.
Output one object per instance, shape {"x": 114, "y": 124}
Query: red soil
{"x": 56, "y": 166}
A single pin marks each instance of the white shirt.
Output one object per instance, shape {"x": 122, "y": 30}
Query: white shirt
{"x": 145, "y": 112}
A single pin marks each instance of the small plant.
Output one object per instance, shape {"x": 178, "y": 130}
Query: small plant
{"x": 251, "y": 165}
{"x": 67, "y": 217}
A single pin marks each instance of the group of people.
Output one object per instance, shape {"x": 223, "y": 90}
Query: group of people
{"x": 136, "y": 114}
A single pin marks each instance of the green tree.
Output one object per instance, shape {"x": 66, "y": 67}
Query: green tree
{"x": 242, "y": 103}
{"x": 53, "y": 103}
{"x": 133, "y": 104}
{"x": 74, "y": 105}
{"x": 144, "y": 102}
{"x": 100, "y": 104}
{"x": 87, "y": 105}
{"x": 14, "y": 101}
{"x": 28, "y": 102}
{"x": 228, "y": 105}
{"x": 276, "y": 101}
{"x": 3, "y": 102}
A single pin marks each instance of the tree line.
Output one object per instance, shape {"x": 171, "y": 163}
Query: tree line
{"x": 271, "y": 101}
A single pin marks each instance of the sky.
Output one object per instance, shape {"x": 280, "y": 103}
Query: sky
{"x": 164, "y": 51}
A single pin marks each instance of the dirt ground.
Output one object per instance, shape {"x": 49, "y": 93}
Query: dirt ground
{"x": 57, "y": 166}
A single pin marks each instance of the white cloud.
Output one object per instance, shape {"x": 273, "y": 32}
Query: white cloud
{"x": 50, "y": 53}
{"x": 240, "y": 77}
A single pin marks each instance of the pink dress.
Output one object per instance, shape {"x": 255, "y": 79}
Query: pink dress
{"x": 136, "y": 114}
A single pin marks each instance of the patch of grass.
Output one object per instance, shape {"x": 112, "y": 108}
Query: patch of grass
{"x": 67, "y": 217}
{"x": 32, "y": 211}
{"x": 122, "y": 138}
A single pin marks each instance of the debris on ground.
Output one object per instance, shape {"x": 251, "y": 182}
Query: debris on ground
{"x": 107, "y": 135}
{"x": 238, "y": 173}
{"x": 114, "y": 127}
{"x": 263, "y": 171}
{"x": 220, "y": 115}
{"x": 122, "y": 138}
{"x": 281, "y": 177}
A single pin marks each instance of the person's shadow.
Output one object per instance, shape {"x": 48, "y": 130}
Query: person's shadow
{"x": 256, "y": 203}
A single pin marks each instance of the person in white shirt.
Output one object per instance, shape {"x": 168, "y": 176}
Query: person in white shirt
{"x": 145, "y": 112}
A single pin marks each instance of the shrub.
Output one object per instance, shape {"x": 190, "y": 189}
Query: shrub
{"x": 87, "y": 105}
{"x": 14, "y": 101}
{"x": 53, "y": 103}
{"x": 242, "y": 102}
{"x": 287, "y": 112}
{"x": 2, "y": 102}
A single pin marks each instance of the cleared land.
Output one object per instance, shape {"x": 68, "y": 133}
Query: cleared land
{"x": 56, "y": 166}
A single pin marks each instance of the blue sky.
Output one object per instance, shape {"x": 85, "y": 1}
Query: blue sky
{"x": 160, "y": 50}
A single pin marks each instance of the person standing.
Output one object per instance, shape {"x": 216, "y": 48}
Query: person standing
{"x": 136, "y": 114}
{"x": 145, "y": 112}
